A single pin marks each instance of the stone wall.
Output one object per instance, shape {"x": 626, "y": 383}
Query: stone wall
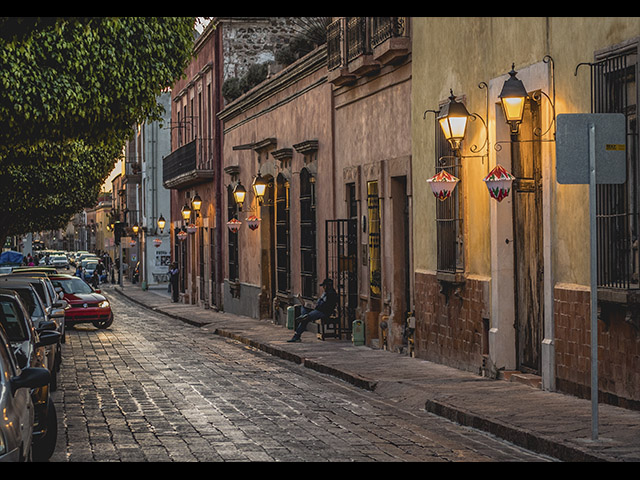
{"x": 249, "y": 40}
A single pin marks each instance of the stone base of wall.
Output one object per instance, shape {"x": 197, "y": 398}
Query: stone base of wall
{"x": 618, "y": 349}
{"x": 450, "y": 329}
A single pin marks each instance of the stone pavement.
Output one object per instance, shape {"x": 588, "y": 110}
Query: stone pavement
{"x": 550, "y": 423}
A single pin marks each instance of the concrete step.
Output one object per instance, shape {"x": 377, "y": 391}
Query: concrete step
{"x": 532, "y": 380}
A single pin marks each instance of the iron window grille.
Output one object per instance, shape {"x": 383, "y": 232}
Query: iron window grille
{"x": 375, "y": 267}
{"x": 283, "y": 270}
{"x": 308, "y": 253}
{"x": 614, "y": 89}
{"x": 449, "y": 212}
{"x": 232, "y": 238}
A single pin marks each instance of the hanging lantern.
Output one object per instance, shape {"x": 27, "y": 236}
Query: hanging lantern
{"x": 499, "y": 183}
{"x": 157, "y": 242}
{"x": 182, "y": 235}
{"x": 234, "y": 225}
{"x": 443, "y": 184}
{"x": 253, "y": 222}
{"x": 191, "y": 228}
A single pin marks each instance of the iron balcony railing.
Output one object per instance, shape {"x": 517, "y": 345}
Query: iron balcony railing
{"x": 362, "y": 35}
{"x": 190, "y": 164}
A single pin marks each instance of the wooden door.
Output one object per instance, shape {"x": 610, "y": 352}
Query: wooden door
{"x": 527, "y": 226}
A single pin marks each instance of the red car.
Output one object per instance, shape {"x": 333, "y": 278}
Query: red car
{"x": 86, "y": 305}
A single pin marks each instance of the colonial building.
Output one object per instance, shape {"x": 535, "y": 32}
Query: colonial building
{"x": 329, "y": 136}
{"x": 502, "y": 283}
{"x": 193, "y": 170}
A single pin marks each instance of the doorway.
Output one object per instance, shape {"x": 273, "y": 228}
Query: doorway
{"x": 528, "y": 242}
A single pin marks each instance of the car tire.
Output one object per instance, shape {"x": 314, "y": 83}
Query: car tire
{"x": 43, "y": 448}
{"x": 53, "y": 383}
{"x": 105, "y": 324}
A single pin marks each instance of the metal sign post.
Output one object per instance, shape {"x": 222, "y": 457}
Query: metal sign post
{"x": 591, "y": 149}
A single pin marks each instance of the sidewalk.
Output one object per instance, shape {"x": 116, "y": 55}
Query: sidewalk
{"x": 545, "y": 422}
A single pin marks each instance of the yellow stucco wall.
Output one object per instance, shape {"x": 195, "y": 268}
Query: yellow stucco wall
{"x": 459, "y": 53}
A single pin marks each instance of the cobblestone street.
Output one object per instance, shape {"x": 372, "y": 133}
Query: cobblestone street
{"x": 151, "y": 388}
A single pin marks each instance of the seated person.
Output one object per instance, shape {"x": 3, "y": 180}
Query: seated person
{"x": 324, "y": 308}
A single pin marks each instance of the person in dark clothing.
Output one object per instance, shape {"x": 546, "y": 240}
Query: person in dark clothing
{"x": 174, "y": 282}
{"x": 324, "y": 308}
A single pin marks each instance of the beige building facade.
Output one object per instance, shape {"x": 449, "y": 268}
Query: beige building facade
{"x": 514, "y": 294}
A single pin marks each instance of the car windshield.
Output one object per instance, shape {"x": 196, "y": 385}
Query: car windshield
{"x": 12, "y": 321}
{"x": 72, "y": 285}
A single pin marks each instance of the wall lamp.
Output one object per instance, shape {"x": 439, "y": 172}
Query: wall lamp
{"x": 259, "y": 187}
{"x": 196, "y": 204}
{"x": 453, "y": 119}
{"x": 186, "y": 212}
{"x": 239, "y": 194}
{"x": 161, "y": 223}
{"x": 513, "y": 99}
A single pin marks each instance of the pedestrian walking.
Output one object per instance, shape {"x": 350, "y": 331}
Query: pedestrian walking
{"x": 325, "y": 307}
{"x": 174, "y": 281}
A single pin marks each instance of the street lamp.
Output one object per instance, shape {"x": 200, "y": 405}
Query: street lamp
{"x": 186, "y": 212}
{"x": 239, "y": 194}
{"x": 196, "y": 204}
{"x": 161, "y": 223}
{"x": 453, "y": 120}
{"x": 512, "y": 98}
{"x": 135, "y": 228}
{"x": 259, "y": 187}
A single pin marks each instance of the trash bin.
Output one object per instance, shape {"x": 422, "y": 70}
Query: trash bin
{"x": 292, "y": 313}
{"x": 357, "y": 333}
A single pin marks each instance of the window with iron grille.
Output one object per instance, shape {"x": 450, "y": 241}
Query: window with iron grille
{"x": 308, "y": 268}
{"x": 449, "y": 212}
{"x": 232, "y": 237}
{"x": 283, "y": 270}
{"x": 614, "y": 89}
{"x": 334, "y": 45}
{"x": 375, "y": 267}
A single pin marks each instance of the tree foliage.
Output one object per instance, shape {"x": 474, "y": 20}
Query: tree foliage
{"x": 71, "y": 89}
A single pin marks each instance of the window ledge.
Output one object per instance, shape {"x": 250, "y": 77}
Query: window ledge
{"x": 619, "y": 303}
{"x": 451, "y": 283}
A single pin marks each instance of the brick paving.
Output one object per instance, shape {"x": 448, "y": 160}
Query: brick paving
{"x": 547, "y": 422}
{"x": 154, "y": 388}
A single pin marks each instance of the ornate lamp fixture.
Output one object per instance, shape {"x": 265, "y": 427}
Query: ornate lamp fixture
{"x": 453, "y": 119}
{"x": 186, "y": 212}
{"x": 239, "y": 194}
{"x": 513, "y": 98}
{"x": 259, "y": 187}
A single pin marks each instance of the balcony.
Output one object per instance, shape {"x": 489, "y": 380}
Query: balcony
{"x": 360, "y": 46}
{"x": 133, "y": 171}
{"x": 189, "y": 165}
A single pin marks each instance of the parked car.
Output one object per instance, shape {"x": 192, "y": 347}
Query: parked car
{"x": 59, "y": 261}
{"x": 16, "y": 403}
{"x": 54, "y": 313}
{"x": 29, "y": 349}
{"x": 86, "y": 304}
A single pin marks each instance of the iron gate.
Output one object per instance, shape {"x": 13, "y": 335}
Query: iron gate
{"x": 341, "y": 243}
